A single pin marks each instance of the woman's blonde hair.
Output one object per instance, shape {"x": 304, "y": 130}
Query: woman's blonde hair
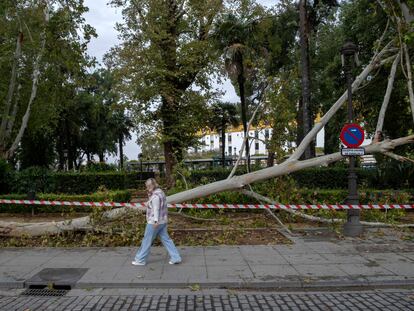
{"x": 153, "y": 182}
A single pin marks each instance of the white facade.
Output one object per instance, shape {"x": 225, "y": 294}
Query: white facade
{"x": 234, "y": 139}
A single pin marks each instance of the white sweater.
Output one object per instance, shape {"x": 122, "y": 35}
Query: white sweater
{"x": 157, "y": 208}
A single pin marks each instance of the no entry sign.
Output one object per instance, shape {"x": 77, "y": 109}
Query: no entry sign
{"x": 352, "y": 135}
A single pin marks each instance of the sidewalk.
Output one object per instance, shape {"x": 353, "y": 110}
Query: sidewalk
{"x": 305, "y": 264}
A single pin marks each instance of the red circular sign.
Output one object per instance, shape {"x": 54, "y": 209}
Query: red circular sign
{"x": 352, "y": 135}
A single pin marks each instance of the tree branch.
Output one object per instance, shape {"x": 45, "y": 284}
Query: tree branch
{"x": 376, "y": 61}
{"x": 233, "y": 171}
{"x": 36, "y": 74}
{"x": 387, "y": 96}
{"x": 409, "y": 79}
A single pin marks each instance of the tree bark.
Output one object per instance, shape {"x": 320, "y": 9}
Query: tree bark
{"x": 409, "y": 79}
{"x": 101, "y": 157}
{"x": 270, "y": 159}
{"x": 8, "y": 102}
{"x": 223, "y": 144}
{"x": 241, "y": 81}
{"x": 387, "y": 95}
{"x": 408, "y": 15}
{"x": 121, "y": 152}
{"x": 36, "y": 74}
{"x": 375, "y": 62}
{"x": 287, "y": 167}
{"x": 305, "y": 76}
{"x": 10, "y": 124}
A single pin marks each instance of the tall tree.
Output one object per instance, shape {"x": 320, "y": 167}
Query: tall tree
{"x": 311, "y": 14}
{"x": 53, "y": 42}
{"x": 235, "y": 38}
{"x": 166, "y": 50}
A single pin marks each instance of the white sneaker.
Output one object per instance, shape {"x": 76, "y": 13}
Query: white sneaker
{"x": 138, "y": 263}
{"x": 174, "y": 263}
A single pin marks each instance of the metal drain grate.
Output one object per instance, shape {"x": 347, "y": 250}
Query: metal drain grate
{"x": 44, "y": 292}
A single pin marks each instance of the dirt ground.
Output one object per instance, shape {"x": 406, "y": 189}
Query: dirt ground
{"x": 202, "y": 228}
{"x": 219, "y": 228}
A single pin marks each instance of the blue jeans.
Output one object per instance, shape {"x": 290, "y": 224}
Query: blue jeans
{"x": 150, "y": 234}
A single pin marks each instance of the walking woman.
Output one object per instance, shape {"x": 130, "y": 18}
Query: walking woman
{"x": 157, "y": 217}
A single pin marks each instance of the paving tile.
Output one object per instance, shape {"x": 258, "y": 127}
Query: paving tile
{"x": 228, "y": 273}
{"x": 345, "y": 258}
{"x": 221, "y": 251}
{"x": 305, "y": 259}
{"x": 263, "y": 271}
{"x": 385, "y": 257}
{"x": 325, "y": 270}
{"x": 364, "y": 270}
{"x": 225, "y": 260}
{"x": 405, "y": 269}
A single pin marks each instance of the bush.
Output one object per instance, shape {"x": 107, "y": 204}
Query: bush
{"x": 6, "y": 176}
{"x": 321, "y": 177}
{"x": 45, "y": 181}
{"x": 332, "y": 178}
{"x": 100, "y": 196}
{"x": 99, "y": 167}
{"x": 37, "y": 179}
{"x": 90, "y": 182}
{"x": 308, "y": 196}
{"x": 395, "y": 174}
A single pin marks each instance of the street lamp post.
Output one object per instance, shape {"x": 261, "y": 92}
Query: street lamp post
{"x": 352, "y": 227}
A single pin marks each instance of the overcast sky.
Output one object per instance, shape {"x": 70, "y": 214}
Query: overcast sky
{"x": 103, "y": 18}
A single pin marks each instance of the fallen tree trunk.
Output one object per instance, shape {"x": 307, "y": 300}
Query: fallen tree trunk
{"x": 235, "y": 183}
{"x": 321, "y": 219}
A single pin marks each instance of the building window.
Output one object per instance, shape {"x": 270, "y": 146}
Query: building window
{"x": 256, "y": 134}
{"x": 235, "y": 150}
{"x": 256, "y": 147}
{"x": 266, "y": 134}
{"x": 230, "y": 150}
{"x": 229, "y": 138}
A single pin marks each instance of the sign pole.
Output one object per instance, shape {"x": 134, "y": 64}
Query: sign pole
{"x": 353, "y": 226}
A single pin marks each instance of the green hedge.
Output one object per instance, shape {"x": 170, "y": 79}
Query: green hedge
{"x": 107, "y": 196}
{"x": 42, "y": 180}
{"x": 333, "y": 178}
{"x": 315, "y": 178}
{"x": 321, "y": 196}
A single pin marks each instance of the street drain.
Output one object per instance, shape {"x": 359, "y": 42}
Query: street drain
{"x": 53, "y": 281}
{"x": 44, "y": 291}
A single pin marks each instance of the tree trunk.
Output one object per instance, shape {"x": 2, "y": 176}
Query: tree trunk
{"x": 235, "y": 183}
{"x": 305, "y": 76}
{"x": 10, "y": 92}
{"x": 223, "y": 144}
{"x": 408, "y": 15}
{"x": 241, "y": 81}
{"x": 36, "y": 74}
{"x": 271, "y": 159}
{"x": 409, "y": 79}
{"x": 170, "y": 162}
{"x": 387, "y": 95}
{"x": 375, "y": 63}
{"x": 121, "y": 152}
{"x": 101, "y": 157}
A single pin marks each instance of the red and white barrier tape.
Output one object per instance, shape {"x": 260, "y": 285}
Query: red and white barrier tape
{"x": 219, "y": 206}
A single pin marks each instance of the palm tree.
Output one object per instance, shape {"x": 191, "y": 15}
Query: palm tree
{"x": 233, "y": 35}
{"x": 122, "y": 130}
{"x": 222, "y": 116}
